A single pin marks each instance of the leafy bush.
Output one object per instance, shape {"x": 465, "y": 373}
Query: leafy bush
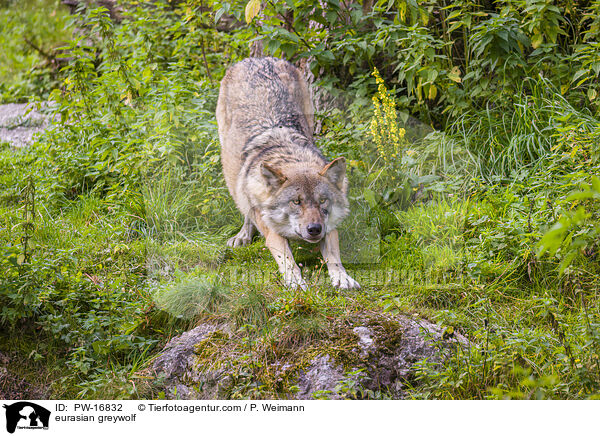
{"x": 444, "y": 60}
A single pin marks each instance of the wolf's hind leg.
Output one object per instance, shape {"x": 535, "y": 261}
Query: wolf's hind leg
{"x": 330, "y": 249}
{"x": 244, "y": 236}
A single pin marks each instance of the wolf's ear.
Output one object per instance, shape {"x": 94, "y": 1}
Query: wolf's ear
{"x": 335, "y": 171}
{"x": 273, "y": 177}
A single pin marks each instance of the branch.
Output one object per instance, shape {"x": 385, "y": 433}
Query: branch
{"x": 39, "y": 50}
{"x": 205, "y": 61}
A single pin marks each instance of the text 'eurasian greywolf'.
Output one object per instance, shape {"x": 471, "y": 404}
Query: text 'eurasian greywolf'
{"x": 279, "y": 180}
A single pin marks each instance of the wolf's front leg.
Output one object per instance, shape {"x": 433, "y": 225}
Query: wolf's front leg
{"x": 330, "y": 249}
{"x": 280, "y": 249}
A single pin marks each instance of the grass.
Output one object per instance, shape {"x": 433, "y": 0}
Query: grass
{"x": 193, "y": 297}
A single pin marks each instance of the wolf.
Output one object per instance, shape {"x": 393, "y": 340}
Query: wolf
{"x": 278, "y": 178}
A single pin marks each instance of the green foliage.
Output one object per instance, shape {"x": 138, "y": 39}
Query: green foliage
{"x": 576, "y": 234}
{"x": 552, "y": 356}
{"x": 32, "y": 30}
{"x": 443, "y": 59}
{"x": 63, "y": 287}
{"x": 193, "y": 297}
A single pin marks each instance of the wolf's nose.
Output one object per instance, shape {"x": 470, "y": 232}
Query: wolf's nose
{"x": 314, "y": 229}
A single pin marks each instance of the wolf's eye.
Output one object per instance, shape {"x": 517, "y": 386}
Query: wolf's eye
{"x": 323, "y": 200}
{"x": 296, "y": 202}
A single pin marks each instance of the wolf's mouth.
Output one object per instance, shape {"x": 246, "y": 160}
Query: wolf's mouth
{"x": 309, "y": 239}
{"x": 313, "y": 240}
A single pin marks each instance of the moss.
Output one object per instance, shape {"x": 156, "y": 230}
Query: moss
{"x": 259, "y": 367}
{"x": 388, "y": 334}
{"x": 209, "y": 349}
{"x": 267, "y": 363}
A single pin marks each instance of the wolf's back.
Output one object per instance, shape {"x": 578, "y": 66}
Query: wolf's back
{"x": 264, "y": 93}
{"x": 257, "y": 96}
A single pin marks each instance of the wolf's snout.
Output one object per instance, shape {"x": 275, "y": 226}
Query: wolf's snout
{"x": 314, "y": 229}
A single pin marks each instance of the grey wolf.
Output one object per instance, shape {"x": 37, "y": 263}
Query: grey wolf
{"x": 278, "y": 178}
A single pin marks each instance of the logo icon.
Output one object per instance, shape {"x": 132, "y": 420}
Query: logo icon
{"x": 26, "y": 415}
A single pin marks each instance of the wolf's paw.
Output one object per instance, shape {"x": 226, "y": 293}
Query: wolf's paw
{"x": 342, "y": 280}
{"x": 240, "y": 240}
{"x": 294, "y": 281}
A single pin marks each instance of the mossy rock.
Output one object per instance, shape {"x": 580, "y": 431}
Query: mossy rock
{"x": 367, "y": 355}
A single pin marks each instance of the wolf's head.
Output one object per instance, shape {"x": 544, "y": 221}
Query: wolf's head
{"x": 306, "y": 203}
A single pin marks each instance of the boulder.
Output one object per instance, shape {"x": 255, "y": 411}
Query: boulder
{"x": 366, "y": 356}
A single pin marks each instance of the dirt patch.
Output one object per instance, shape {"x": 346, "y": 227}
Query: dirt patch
{"x": 14, "y": 387}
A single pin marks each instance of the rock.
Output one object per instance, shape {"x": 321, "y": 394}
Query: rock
{"x": 365, "y": 342}
{"x": 177, "y": 361}
{"x": 19, "y": 122}
{"x": 178, "y": 366}
{"x": 366, "y": 356}
{"x": 323, "y": 376}
{"x": 388, "y": 359}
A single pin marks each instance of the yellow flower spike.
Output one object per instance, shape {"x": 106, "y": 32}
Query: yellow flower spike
{"x": 388, "y": 136}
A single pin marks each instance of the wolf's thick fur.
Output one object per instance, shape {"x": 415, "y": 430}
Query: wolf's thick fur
{"x": 279, "y": 180}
